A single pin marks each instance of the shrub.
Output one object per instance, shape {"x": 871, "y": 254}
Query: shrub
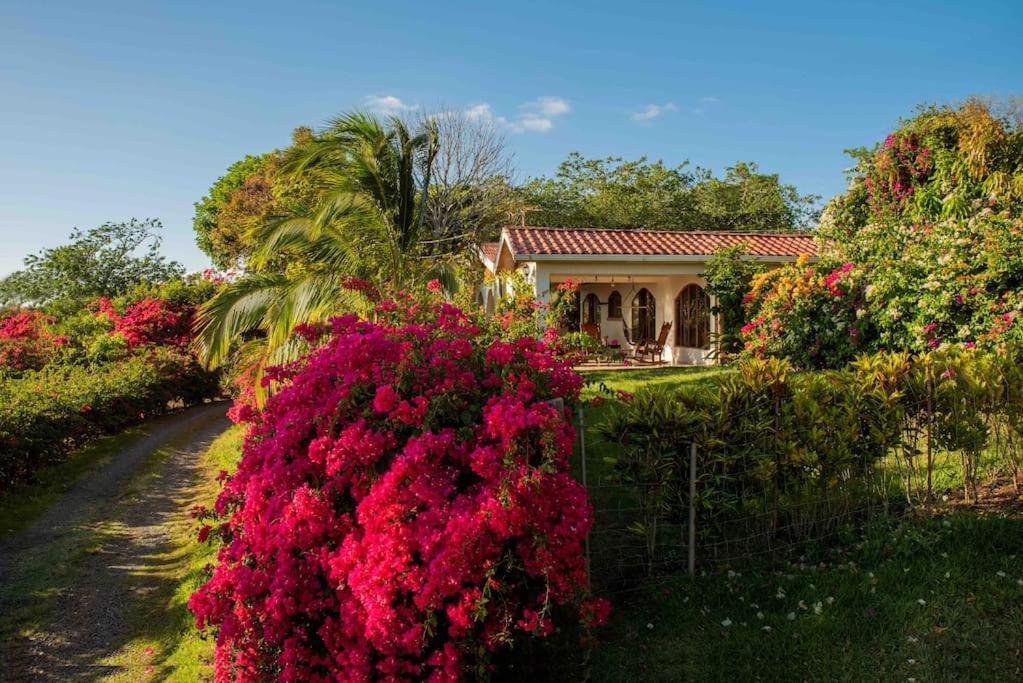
{"x": 150, "y": 321}
{"x": 810, "y": 314}
{"x": 26, "y": 341}
{"x": 403, "y": 508}
{"x": 45, "y": 413}
{"x": 775, "y": 442}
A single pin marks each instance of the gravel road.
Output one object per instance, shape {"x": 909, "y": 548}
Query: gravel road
{"x": 75, "y": 569}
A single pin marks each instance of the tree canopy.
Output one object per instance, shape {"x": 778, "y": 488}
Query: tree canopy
{"x": 615, "y": 193}
{"x": 107, "y": 260}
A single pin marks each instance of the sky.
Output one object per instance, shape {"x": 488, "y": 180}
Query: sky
{"x": 114, "y": 110}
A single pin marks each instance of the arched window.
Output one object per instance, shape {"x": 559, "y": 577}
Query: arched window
{"x": 644, "y": 316}
{"x": 591, "y": 309}
{"x": 692, "y": 309}
{"x": 614, "y": 306}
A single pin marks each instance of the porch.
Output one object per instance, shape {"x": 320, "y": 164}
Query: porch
{"x": 660, "y": 319}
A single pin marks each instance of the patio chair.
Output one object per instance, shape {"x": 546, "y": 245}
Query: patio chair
{"x": 654, "y": 349}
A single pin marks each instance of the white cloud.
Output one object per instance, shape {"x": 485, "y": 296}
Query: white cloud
{"x": 548, "y": 106}
{"x": 535, "y": 116}
{"x": 387, "y": 105}
{"x": 532, "y": 122}
{"x": 709, "y": 99}
{"x": 652, "y": 111}
{"x": 479, "y": 111}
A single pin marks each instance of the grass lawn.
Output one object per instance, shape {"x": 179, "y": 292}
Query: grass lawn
{"x": 925, "y": 600}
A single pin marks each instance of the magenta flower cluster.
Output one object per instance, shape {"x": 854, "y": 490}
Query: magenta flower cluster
{"x": 403, "y": 510}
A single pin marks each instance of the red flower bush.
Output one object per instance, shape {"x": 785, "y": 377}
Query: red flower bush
{"x": 403, "y": 509}
{"x": 26, "y": 342}
{"x": 150, "y": 321}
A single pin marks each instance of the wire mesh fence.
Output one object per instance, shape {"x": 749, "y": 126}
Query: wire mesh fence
{"x": 648, "y": 529}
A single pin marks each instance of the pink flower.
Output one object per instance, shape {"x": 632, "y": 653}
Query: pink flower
{"x": 385, "y": 399}
{"x": 434, "y": 285}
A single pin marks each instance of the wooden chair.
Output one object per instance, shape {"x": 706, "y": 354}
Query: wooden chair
{"x": 654, "y": 349}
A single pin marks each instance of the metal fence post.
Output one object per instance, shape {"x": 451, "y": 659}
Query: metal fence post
{"x": 582, "y": 458}
{"x": 692, "y": 508}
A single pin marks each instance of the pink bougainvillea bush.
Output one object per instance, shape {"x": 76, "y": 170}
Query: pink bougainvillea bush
{"x": 403, "y": 509}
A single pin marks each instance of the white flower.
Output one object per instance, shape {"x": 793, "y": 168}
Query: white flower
{"x": 910, "y": 639}
{"x": 780, "y": 594}
{"x": 1001, "y": 574}
{"x": 830, "y": 600}
{"x": 791, "y": 616}
{"x": 802, "y": 605}
{"x": 922, "y": 601}
{"x": 765, "y": 628}
{"x": 760, "y": 615}
{"x": 726, "y": 623}
{"x": 650, "y": 626}
{"x": 818, "y": 607}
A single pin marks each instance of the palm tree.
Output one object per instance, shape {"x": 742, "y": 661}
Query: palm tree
{"x": 372, "y": 181}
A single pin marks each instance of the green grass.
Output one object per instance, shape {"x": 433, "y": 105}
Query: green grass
{"x": 926, "y": 600}
{"x": 164, "y": 631}
{"x": 23, "y": 504}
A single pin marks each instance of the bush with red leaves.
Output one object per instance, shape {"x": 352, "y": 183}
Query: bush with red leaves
{"x": 26, "y": 342}
{"x": 403, "y": 509}
{"x": 150, "y": 321}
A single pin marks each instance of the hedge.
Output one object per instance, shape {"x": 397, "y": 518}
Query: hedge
{"x": 772, "y": 441}
{"x": 46, "y": 413}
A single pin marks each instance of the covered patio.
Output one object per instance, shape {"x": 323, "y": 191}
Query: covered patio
{"x": 653, "y": 318}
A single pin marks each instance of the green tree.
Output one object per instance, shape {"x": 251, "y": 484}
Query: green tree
{"x": 108, "y": 260}
{"x": 252, "y": 192}
{"x": 614, "y": 193}
{"x": 372, "y": 180}
{"x": 729, "y": 276}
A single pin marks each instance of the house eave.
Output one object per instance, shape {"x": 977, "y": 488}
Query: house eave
{"x": 648, "y": 258}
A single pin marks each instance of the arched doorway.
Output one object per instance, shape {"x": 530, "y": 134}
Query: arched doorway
{"x": 644, "y": 316}
{"x": 692, "y": 310}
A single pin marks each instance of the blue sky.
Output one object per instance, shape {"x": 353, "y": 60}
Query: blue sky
{"x": 113, "y": 110}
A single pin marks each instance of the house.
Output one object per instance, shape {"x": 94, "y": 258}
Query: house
{"x": 631, "y": 281}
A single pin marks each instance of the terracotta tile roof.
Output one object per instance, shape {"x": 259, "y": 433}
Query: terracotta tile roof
{"x": 489, "y": 250}
{"x": 536, "y": 241}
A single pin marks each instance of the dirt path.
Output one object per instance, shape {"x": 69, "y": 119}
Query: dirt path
{"x": 67, "y": 581}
